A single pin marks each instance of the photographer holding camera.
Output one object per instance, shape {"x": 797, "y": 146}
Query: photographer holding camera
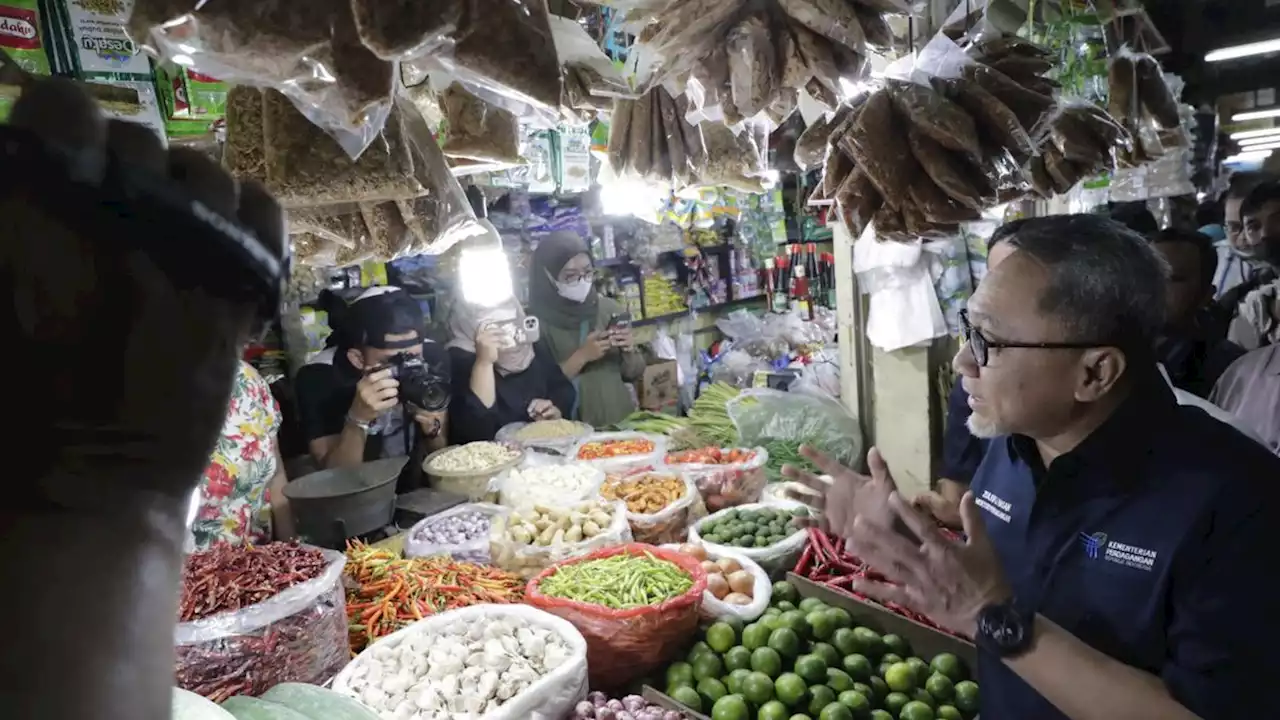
{"x": 382, "y": 392}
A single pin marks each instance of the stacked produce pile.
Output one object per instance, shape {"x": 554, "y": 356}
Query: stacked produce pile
{"x": 469, "y": 470}
{"x": 388, "y": 593}
{"x": 461, "y": 532}
{"x": 237, "y": 633}
{"x": 533, "y": 538}
{"x": 557, "y": 485}
{"x": 727, "y": 581}
{"x": 658, "y": 503}
{"x": 803, "y": 658}
{"x": 615, "y": 448}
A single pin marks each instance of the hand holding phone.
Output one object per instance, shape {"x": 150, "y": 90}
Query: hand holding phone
{"x": 619, "y": 331}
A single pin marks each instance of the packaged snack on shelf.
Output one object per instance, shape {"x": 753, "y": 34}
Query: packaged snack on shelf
{"x": 23, "y": 40}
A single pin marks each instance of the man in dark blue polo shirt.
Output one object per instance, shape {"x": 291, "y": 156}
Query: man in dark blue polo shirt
{"x": 1115, "y": 538}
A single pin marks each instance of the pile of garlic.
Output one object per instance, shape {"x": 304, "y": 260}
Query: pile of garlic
{"x": 459, "y": 671}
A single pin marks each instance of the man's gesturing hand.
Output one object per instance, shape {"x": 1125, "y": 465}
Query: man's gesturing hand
{"x": 847, "y": 494}
{"x": 137, "y": 368}
{"x": 949, "y": 581}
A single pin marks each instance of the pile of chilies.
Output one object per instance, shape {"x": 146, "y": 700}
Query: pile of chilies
{"x": 229, "y": 577}
{"x": 825, "y": 560}
{"x": 386, "y": 592}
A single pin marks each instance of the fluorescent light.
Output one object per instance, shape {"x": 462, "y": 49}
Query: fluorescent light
{"x": 1256, "y": 115}
{"x": 1241, "y": 51}
{"x": 1255, "y": 134}
{"x": 1258, "y": 141}
{"x": 1273, "y": 145}
{"x": 1250, "y": 156}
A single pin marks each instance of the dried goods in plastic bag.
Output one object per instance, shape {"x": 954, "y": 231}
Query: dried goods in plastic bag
{"x": 834, "y": 19}
{"x": 332, "y": 222}
{"x": 947, "y": 170}
{"x": 878, "y": 146}
{"x": 1122, "y": 83}
{"x": 313, "y": 251}
{"x": 751, "y": 64}
{"x": 477, "y": 130}
{"x": 673, "y": 128}
{"x": 586, "y": 67}
{"x": 620, "y": 135}
{"x": 244, "y": 154}
{"x": 388, "y": 236}
{"x": 640, "y": 145}
{"x": 937, "y": 206}
{"x": 1156, "y": 95}
{"x": 858, "y": 201}
{"x": 306, "y": 167}
{"x": 400, "y": 29}
{"x": 939, "y": 118}
{"x": 731, "y": 159}
{"x": 811, "y": 146}
{"x": 419, "y": 216}
{"x": 1028, "y": 105}
{"x": 995, "y": 120}
{"x": 875, "y": 28}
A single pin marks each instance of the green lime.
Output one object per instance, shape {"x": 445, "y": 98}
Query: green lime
{"x": 940, "y": 687}
{"x": 921, "y": 695}
{"x": 897, "y": 645}
{"x": 737, "y": 658}
{"x": 757, "y": 688}
{"x": 812, "y": 668}
{"x": 880, "y": 715}
{"x": 808, "y": 605}
{"x": 967, "y": 697}
{"x": 872, "y": 644}
{"x": 879, "y": 685}
{"x": 859, "y": 703}
{"x": 891, "y": 658}
{"x": 922, "y": 670}
{"x": 949, "y": 665}
{"x": 790, "y": 688}
{"x": 838, "y": 680}
{"x": 916, "y": 711}
{"x": 784, "y": 605}
{"x": 784, "y": 591}
{"x": 773, "y": 710}
{"x": 731, "y": 707}
{"x": 771, "y": 611}
{"x": 721, "y": 637}
{"x": 711, "y": 690}
{"x": 772, "y": 621}
{"x": 679, "y": 672}
{"x": 948, "y": 712}
{"x": 846, "y": 641}
{"x": 894, "y": 703}
{"x": 686, "y": 695}
{"x": 800, "y": 716}
{"x": 736, "y": 623}
{"x": 827, "y": 652}
{"x": 858, "y": 667}
{"x": 767, "y": 661}
{"x": 708, "y": 666}
{"x": 821, "y": 623}
{"x": 795, "y": 620}
{"x": 755, "y": 636}
{"x": 820, "y": 696}
{"x": 786, "y": 642}
{"x": 735, "y": 679}
{"x": 835, "y": 711}
{"x": 866, "y": 690}
{"x": 900, "y": 677}
{"x": 699, "y": 648}
{"x": 840, "y": 617}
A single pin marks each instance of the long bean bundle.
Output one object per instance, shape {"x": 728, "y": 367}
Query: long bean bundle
{"x": 618, "y": 582}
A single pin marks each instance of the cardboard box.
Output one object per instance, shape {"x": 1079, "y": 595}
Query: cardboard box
{"x": 658, "y": 698}
{"x": 659, "y": 387}
{"x": 925, "y": 641}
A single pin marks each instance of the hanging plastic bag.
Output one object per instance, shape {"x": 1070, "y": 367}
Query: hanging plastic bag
{"x": 763, "y": 416}
{"x": 752, "y": 64}
{"x": 623, "y": 645}
{"x": 581, "y": 57}
{"x": 510, "y": 551}
{"x": 477, "y": 130}
{"x": 402, "y": 29}
{"x": 299, "y": 635}
{"x": 439, "y": 534}
{"x": 650, "y": 521}
{"x": 775, "y": 559}
{"x": 553, "y": 695}
{"x": 713, "y": 608}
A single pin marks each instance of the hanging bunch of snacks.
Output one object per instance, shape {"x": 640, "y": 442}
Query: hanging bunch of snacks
{"x": 1079, "y": 141}
{"x": 1142, "y": 101}
{"x": 636, "y": 605}
{"x": 251, "y": 617}
{"x": 939, "y": 141}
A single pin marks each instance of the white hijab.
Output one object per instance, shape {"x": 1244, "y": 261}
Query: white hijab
{"x": 466, "y": 320}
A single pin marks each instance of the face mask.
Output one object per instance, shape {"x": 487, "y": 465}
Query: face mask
{"x": 574, "y": 291}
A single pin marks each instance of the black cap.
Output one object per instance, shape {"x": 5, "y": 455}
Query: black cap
{"x": 381, "y": 312}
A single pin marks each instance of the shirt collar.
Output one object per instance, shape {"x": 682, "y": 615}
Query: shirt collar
{"x": 1110, "y": 458}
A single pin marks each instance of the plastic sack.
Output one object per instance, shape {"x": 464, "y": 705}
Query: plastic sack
{"x": 752, "y": 64}
{"x": 763, "y": 415}
{"x": 475, "y": 550}
{"x": 623, "y": 645}
{"x": 622, "y": 463}
{"x": 527, "y": 560}
{"x": 723, "y": 486}
{"x": 299, "y": 635}
{"x": 714, "y": 609}
{"x": 671, "y": 523}
{"x": 526, "y": 486}
{"x": 402, "y": 29}
{"x": 529, "y": 438}
{"x": 585, "y": 65}
{"x": 477, "y": 130}
{"x": 310, "y": 52}
{"x": 554, "y": 695}
{"x": 776, "y": 559}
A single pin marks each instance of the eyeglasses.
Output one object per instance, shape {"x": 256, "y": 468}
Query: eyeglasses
{"x": 981, "y": 347}
{"x": 573, "y": 277}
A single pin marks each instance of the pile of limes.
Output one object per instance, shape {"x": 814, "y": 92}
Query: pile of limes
{"x": 805, "y": 660}
{"x": 752, "y": 528}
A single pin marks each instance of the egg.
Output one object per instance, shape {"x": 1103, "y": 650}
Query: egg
{"x": 741, "y": 582}
{"x": 717, "y": 586}
{"x": 737, "y": 599}
{"x": 728, "y": 565}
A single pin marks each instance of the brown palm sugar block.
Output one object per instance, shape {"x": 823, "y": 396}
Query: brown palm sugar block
{"x": 937, "y": 206}
{"x": 858, "y": 201}
{"x": 1156, "y": 95}
{"x": 306, "y": 167}
{"x": 244, "y": 154}
{"x": 620, "y": 135}
{"x": 994, "y": 119}
{"x": 878, "y": 146}
{"x": 1028, "y": 105}
{"x": 833, "y": 19}
{"x": 939, "y": 118}
{"x": 1122, "y": 80}
{"x": 947, "y": 170}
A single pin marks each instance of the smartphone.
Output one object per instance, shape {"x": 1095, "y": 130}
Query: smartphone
{"x": 519, "y": 332}
{"x": 619, "y": 321}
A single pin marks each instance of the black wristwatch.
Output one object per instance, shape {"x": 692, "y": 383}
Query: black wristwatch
{"x": 1005, "y": 630}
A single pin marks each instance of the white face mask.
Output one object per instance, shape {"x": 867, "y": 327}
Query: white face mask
{"x": 574, "y": 291}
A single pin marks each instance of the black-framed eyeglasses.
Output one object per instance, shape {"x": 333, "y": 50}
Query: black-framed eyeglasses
{"x": 573, "y": 277}
{"x": 981, "y": 347}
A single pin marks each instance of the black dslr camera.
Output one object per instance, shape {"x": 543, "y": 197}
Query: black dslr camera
{"x": 420, "y": 387}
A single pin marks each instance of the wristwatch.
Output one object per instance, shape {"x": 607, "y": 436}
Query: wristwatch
{"x": 1005, "y": 630}
{"x": 364, "y": 426}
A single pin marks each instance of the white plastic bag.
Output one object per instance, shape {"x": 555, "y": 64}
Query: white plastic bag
{"x": 298, "y": 635}
{"x": 761, "y": 589}
{"x": 553, "y": 485}
{"x": 671, "y": 523}
{"x": 511, "y": 433}
{"x": 528, "y": 560}
{"x": 551, "y": 697}
{"x": 475, "y": 550}
{"x": 776, "y": 559}
{"x": 625, "y": 462}
{"x": 727, "y": 485}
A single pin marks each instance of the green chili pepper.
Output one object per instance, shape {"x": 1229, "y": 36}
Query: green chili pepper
{"x": 618, "y": 582}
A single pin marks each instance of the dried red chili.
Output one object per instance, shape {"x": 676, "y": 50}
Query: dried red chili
{"x": 230, "y": 577}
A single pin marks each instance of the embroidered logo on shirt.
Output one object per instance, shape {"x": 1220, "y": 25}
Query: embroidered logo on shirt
{"x": 1099, "y": 547}
{"x": 994, "y": 505}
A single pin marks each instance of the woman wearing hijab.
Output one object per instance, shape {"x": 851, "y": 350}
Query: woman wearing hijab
{"x": 496, "y": 381}
{"x": 575, "y": 327}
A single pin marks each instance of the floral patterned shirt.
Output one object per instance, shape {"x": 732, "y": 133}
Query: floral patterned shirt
{"x": 235, "y": 502}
